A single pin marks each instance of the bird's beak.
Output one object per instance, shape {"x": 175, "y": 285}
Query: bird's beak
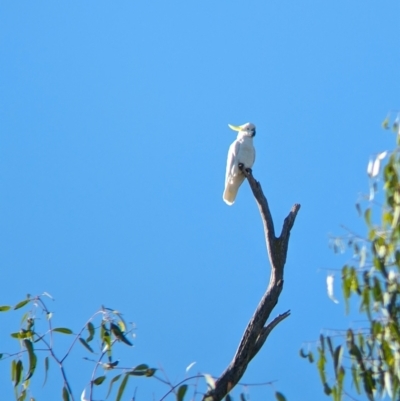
{"x": 235, "y": 127}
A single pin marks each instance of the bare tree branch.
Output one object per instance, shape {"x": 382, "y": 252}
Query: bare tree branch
{"x": 265, "y": 332}
{"x": 256, "y": 332}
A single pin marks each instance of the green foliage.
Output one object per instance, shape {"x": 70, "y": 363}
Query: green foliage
{"x": 181, "y": 392}
{"x": 65, "y": 394}
{"x": 370, "y": 354}
{"x": 63, "y": 330}
{"x": 37, "y": 339}
{"x": 122, "y": 387}
{"x": 279, "y": 396}
{"x": 110, "y": 329}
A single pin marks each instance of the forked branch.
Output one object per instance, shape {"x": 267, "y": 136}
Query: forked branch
{"x": 256, "y": 332}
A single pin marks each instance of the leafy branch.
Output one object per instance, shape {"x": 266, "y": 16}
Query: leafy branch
{"x": 110, "y": 330}
{"x": 370, "y": 355}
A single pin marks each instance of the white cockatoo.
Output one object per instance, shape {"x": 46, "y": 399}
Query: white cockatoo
{"x": 241, "y": 152}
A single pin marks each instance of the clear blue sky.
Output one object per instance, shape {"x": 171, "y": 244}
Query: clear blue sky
{"x": 113, "y": 142}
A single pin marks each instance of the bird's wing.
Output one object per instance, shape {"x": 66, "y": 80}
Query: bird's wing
{"x": 231, "y": 164}
{"x": 233, "y": 180}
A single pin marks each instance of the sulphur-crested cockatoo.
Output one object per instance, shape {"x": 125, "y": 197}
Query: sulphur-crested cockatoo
{"x": 241, "y": 152}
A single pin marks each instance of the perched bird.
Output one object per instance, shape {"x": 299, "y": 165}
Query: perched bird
{"x": 241, "y": 152}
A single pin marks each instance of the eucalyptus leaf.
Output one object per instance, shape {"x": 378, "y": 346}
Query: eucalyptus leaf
{"x": 18, "y": 373}
{"x": 63, "y": 330}
{"x": 367, "y": 216}
{"x": 113, "y": 380}
{"x": 181, "y": 392}
{"x": 121, "y": 388}
{"x": 337, "y": 358}
{"x": 46, "y": 369}
{"x": 99, "y": 380}
{"x": 21, "y": 304}
{"x": 91, "y": 330}
{"x": 279, "y": 396}
{"x": 32, "y": 358}
{"x": 85, "y": 344}
{"x": 65, "y": 394}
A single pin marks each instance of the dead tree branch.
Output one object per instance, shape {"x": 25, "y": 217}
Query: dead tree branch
{"x": 256, "y": 332}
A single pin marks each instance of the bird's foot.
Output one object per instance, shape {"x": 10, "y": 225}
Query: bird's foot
{"x": 243, "y": 169}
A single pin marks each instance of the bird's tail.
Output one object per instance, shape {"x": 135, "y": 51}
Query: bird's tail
{"x": 229, "y": 195}
{"x": 231, "y": 189}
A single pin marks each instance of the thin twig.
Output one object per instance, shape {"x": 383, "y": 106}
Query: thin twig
{"x": 177, "y": 385}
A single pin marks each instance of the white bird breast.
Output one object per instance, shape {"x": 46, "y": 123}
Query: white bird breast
{"x": 246, "y": 154}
